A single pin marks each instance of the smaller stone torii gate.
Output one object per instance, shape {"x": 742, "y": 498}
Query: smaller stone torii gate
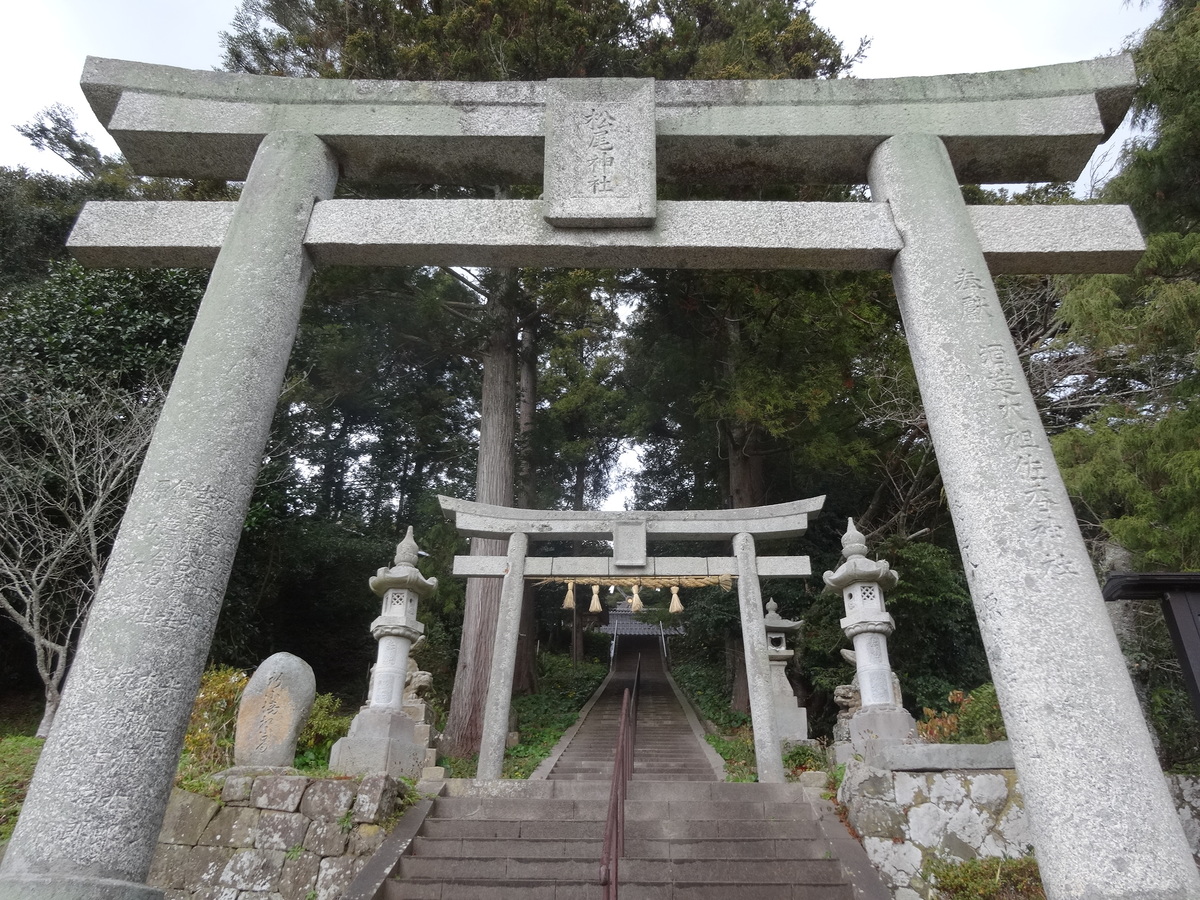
{"x": 1100, "y": 814}
{"x": 629, "y": 532}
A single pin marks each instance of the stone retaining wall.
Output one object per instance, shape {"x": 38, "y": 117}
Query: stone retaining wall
{"x": 1185, "y": 790}
{"x": 908, "y": 818}
{"x": 272, "y": 837}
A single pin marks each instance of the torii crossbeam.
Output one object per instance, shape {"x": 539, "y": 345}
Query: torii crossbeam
{"x": 1102, "y": 820}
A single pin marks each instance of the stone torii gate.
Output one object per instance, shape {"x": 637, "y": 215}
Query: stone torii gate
{"x": 629, "y": 532}
{"x": 1101, "y": 817}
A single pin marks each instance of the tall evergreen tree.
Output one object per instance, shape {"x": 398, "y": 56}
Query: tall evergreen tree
{"x": 518, "y": 39}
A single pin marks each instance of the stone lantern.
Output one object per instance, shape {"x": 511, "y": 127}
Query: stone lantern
{"x": 382, "y": 737}
{"x": 791, "y": 719}
{"x": 868, "y": 624}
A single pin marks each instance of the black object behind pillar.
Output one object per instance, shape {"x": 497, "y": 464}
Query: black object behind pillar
{"x": 1180, "y": 596}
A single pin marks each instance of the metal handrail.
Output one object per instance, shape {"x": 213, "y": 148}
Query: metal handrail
{"x": 614, "y": 826}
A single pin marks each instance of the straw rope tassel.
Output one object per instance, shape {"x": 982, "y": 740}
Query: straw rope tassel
{"x": 676, "y": 606}
{"x": 635, "y": 605}
{"x": 595, "y": 607}
{"x": 569, "y": 600}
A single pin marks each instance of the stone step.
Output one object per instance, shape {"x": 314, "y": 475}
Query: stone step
{"x": 549, "y": 789}
{"x": 539, "y": 890}
{"x": 632, "y": 870}
{"x": 569, "y": 809}
{"x": 680, "y": 848}
{"x": 463, "y": 889}
{"x": 602, "y": 772}
{"x": 606, "y": 777}
{"x": 489, "y": 848}
{"x": 731, "y": 871}
{"x": 418, "y": 868}
{"x": 694, "y": 810}
{"x": 646, "y": 830}
{"x": 496, "y": 808}
{"x": 687, "y": 837}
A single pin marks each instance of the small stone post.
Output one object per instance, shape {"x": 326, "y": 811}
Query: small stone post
{"x": 94, "y": 809}
{"x": 862, "y": 583}
{"x": 791, "y": 719}
{"x": 381, "y": 737}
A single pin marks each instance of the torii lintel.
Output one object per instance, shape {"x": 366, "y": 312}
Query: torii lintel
{"x": 486, "y": 520}
{"x": 1034, "y": 124}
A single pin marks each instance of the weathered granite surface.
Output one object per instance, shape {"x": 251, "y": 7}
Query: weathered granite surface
{"x": 273, "y": 710}
{"x": 383, "y": 737}
{"x": 686, "y": 234}
{"x": 1037, "y": 124}
{"x": 247, "y": 848}
{"x": 963, "y": 803}
{"x": 767, "y": 745}
{"x": 498, "y": 705}
{"x": 98, "y": 795}
{"x": 907, "y": 819}
{"x": 1039, "y": 608}
{"x": 599, "y": 157}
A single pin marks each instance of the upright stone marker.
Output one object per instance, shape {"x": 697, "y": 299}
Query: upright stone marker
{"x": 272, "y": 713}
{"x": 1102, "y": 819}
{"x": 600, "y": 153}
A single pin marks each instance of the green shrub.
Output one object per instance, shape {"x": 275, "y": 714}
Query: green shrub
{"x": 18, "y": 757}
{"x": 970, "y": 719}
{"x": 737, "y": 749}
{"x": 705, "y": 683}
{"x": 324, "y": 726}
{"x": 803, "y": 758}
{"x": 21, "y": 713}
{"x": 979, "y": 719}
{"x": 460, "y": 766}
{"x": 208, "y": 744}
{"x": 986, "y": 879}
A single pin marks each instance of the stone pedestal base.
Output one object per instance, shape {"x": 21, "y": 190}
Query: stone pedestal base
{"x": 380, "y": 740}
{"x": 791, "y": 721}
{"x": 65, "y": 887}
{"x": 891, "y": 724}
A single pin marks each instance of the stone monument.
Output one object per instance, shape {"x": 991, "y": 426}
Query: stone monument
{"x": 791, "y": 719}
{"x": 272, "y": 712}
{"x": 868, "y": 624}
{"x": 382, "y": 736}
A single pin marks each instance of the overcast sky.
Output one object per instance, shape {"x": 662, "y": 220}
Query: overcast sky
{"x": 45, "y": 41}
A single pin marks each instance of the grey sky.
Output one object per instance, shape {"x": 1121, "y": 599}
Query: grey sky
{"x": 45, "y": 42}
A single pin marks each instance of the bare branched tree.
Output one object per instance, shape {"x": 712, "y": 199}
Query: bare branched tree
{"x": 1069, "y": 381}
{"x": 67, "y": 465}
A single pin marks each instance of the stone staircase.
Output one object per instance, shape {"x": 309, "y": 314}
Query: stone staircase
{"x": 668, "y": 746}
{"x": 699, "y": 841}
{"x": 688, "y": 836}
